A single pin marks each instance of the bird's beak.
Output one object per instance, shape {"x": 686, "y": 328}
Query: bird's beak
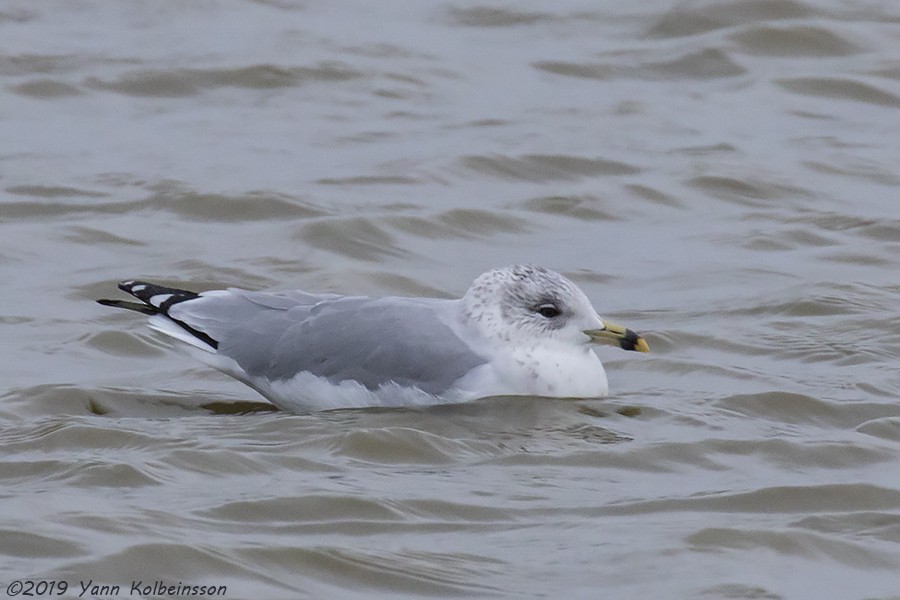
{"x": 618, "y": 336}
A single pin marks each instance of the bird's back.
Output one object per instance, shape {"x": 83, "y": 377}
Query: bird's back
{"x": 372, "y": 341}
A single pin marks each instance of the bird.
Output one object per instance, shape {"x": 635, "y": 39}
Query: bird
{"x": 521, "y": 330}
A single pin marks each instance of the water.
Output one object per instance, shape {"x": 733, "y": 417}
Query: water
{"x": 719, "y": 175}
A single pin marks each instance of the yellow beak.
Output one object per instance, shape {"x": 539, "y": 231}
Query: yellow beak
{"x": 618, "y": 336}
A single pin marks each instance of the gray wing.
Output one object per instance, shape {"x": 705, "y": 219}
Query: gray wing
{"x": 372, "y": 341}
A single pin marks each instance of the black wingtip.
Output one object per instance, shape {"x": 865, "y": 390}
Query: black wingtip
{"x": 127, "y": 286}
{"x": 157, "y": 296}
{"x": 135, "y": 306}
{"x": 157, "y": 300}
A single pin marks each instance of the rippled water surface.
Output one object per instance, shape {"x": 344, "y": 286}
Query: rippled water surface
{"x": 722, "y": 176}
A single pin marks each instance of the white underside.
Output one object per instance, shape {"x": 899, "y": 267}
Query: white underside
{"x": 535, "y": 371}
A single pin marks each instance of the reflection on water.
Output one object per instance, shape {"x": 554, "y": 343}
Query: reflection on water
{"x": 720, "y": 175}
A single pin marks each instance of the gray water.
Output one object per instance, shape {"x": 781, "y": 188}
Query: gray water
{"x": 721, "y": 175}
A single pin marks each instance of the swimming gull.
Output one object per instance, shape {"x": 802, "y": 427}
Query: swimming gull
{"x": 520, "y": 330}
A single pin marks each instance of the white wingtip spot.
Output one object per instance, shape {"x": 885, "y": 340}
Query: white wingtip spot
{"x": 138, "y": 288}
{"x": 158, "y": 299}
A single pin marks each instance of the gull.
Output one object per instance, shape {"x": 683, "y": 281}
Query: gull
{"x": 518, "y": 331}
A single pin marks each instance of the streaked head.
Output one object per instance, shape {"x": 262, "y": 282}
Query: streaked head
{"x": 529, "y": 303}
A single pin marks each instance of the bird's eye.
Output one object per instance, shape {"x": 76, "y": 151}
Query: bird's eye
{"x": 548, "y": 310}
